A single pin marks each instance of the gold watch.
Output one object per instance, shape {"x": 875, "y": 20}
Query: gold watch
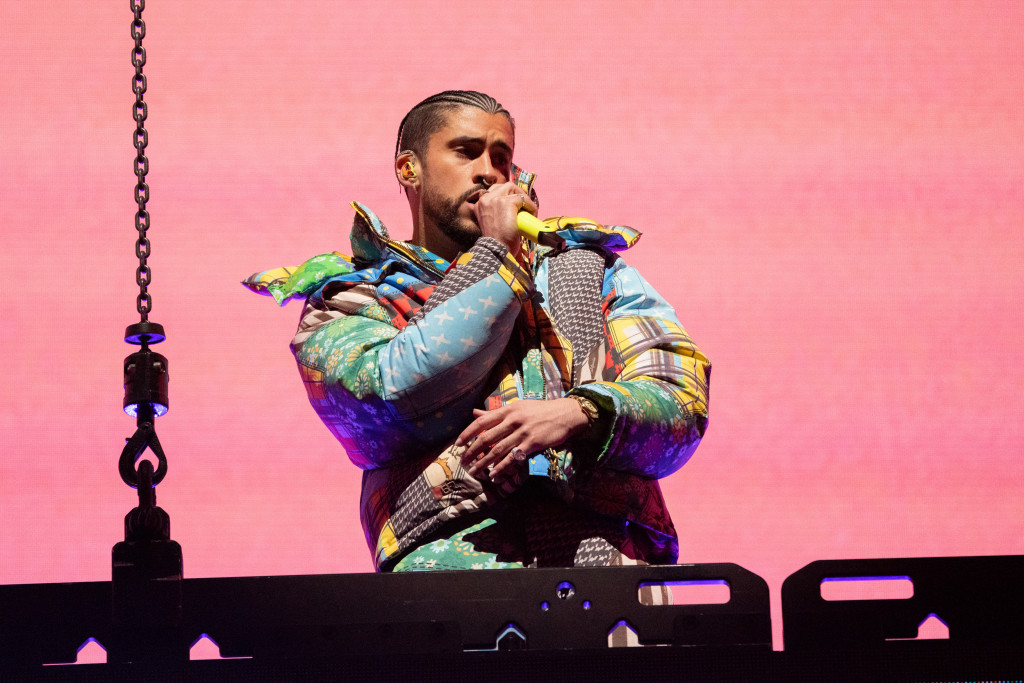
{"x": 588, "y": 407}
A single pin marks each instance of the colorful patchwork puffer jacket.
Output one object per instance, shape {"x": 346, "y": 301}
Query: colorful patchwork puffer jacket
{"x": 396, "y": 347}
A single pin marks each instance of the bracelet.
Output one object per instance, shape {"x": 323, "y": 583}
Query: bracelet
{"x": 588, "y": 407}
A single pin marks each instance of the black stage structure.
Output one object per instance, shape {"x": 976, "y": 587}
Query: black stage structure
{"x": 514, "y": 625}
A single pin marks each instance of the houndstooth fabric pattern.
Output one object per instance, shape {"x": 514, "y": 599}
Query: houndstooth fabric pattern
{"x": 466, "y": 273}
{"x": 576, "y": 276}
{"x": 415, "y": 505}
{"x": 595, "y": 552}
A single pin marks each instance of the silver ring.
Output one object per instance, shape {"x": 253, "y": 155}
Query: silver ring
{"x": 518, "y": 454}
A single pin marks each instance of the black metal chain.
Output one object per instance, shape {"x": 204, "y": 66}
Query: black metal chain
{"x": 142, "y": 249}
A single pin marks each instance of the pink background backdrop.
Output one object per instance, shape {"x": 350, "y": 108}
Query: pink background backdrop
{"x": 831, "y": 195}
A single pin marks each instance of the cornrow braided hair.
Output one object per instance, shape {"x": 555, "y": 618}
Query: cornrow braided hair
{"x": 428, "y": 116}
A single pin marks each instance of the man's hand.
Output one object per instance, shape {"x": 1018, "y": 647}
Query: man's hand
{"x": 496, "y": 212}
{"x": 506, "y": 436}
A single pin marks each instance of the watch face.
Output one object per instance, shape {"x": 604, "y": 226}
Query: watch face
{"x": 589, "y": 408}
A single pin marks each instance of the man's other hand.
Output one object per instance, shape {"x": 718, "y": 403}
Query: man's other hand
{"x": 505, "y": 437}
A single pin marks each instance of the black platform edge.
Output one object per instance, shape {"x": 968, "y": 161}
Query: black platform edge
{"x": 980, "y": 599}
{"x": 277, "y": 617}
{"x": 428, "y": 626}
{"x": 646, "y": 664}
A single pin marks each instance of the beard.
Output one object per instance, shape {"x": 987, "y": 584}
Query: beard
{"x": 444, "y": 213}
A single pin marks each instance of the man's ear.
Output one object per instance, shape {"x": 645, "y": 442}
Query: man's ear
{"x": 407, "y": 170}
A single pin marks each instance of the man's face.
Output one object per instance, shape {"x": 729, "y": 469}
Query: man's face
{"x": 470, "y": 153}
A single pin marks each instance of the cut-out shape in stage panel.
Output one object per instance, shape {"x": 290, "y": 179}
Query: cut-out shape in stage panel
{"x": 89, "y": 652}
{"x": 206, "y": 647}
{"x": 932, "y": 628}
{"x": 697, "y": 592}
{"x": 867, "y": 588}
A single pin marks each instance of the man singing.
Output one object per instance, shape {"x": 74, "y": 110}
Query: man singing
{"x": 510, "y": 404}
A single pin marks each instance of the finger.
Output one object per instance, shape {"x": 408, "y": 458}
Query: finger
{"x": 474, "y": 450}
{"x": 507, "y": 192}
{"x": 483, "y": 446}
{"x": 498, "y": 453}
{"x": 525, "y": 203}
{"x": 489, "y": 458}
{"x": 477, "y": 438}
{"x": 530, "y": 205}
{"x": 513, "y": 190}
{"x": 508, "y": 203}
{"x": 483, "y": 420}
{"x": 505, "y": 188}
{"x": 507, "y": 466}
{"x": 498, "y": 193}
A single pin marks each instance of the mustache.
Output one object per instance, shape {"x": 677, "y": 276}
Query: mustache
{"x": 467, "y": 194}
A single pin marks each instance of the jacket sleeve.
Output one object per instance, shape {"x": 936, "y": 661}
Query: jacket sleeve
{"x": 386, "y": 393}
{"x": 654, "y": 404}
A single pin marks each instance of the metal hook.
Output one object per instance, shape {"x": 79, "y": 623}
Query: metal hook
{"x": 144, "y": 437}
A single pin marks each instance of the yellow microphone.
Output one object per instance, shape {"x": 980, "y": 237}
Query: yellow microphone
{"x": 532, "y": 227}
{"x": 545, "y": 232}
